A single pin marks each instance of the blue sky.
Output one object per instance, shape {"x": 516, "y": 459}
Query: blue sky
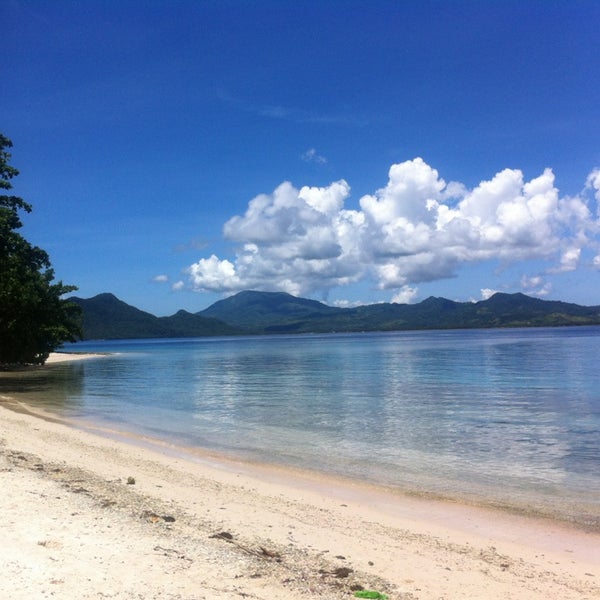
{"x": 352, "y": 152}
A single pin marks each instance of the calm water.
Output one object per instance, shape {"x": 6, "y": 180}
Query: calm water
{"x": 506, "y": 416}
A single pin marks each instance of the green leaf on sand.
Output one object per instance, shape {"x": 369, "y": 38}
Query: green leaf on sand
{"x": 370, "y": 594}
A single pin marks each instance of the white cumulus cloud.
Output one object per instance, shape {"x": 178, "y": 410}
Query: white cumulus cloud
{"x": 214, "y": 274}
{"x": 406, "y": 295}
{"x": 487, "y": 293}
{"x": 292, "y": 240}
{"x": 593, "y": 182}
{"x": 535, "y": 285}
{"x": 416, "y": 228}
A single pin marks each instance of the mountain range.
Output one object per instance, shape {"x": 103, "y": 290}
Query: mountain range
{"x": 259, "y": 313}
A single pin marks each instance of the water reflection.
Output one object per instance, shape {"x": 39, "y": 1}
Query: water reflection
{"x": 54, "y": 387}
{"x": 508, "y": 410}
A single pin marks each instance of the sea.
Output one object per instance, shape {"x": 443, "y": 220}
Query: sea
{"x": 502, "y": 417}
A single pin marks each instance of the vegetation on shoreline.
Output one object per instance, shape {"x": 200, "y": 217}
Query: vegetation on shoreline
{"x": 34, "y": 319}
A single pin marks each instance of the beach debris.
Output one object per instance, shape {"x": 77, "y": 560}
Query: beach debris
{"x": 224, "y": 535}
{"x": 262, "y": 552}
{"x": 269, "y": 553}
{"x": 131, "y": 480}
{"x": 370, "y": 594}
{"x": 491, "y": 556}
{"x": 340, "y": 572}
{"x": 54, "y": 544}
{"x": 172, "y": 552}
{"x": 154, "y": 518}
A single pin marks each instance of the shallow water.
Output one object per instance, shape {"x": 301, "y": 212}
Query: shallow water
{"x": 509, "y": 417}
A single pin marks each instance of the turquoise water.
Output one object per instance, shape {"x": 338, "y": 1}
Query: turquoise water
{"x": 501, "y": 416}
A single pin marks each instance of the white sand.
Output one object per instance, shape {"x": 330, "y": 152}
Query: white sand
{"x": 72, "y": 528}
{"x": 61, "y": 357}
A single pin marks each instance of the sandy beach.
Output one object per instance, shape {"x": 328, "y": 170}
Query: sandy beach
{"x": 63, "y": 357}
{"x": 90, "y": 513}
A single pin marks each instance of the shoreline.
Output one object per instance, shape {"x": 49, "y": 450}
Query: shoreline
{"x": 334, "y": 482}
{"x": 561, "y": 512}
{"x": 587, "y": 519}
{"x": 407, "y": 547}
{"x": 414, "y": 502}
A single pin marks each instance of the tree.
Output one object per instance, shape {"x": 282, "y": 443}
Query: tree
{"x": 34, "y": 319}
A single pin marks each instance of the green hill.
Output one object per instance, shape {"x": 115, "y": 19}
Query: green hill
{"x": 268, "y": 312}
{"x": 251, "y": 312}
{"x": 107, "y": 317}
{"x": 258, "y": 311}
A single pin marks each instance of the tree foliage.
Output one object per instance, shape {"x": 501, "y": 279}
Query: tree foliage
{"x": 34, "y": 319}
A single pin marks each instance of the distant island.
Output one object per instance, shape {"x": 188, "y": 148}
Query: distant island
{"x": 262, "y": 313}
